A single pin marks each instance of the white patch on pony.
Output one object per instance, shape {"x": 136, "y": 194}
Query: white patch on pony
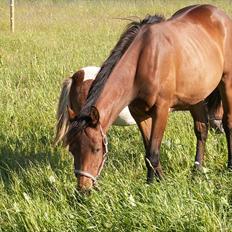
{"x": 90, "y": 72}
{"x": 124, "y": 118}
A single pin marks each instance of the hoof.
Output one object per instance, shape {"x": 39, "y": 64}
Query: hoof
{"x": 197, "y": 166}
{"x": 157, "y": 176}
{"x": 150, "y": 181}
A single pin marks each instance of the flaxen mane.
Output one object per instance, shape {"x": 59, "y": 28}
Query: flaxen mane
{"x": 62, "y": 114}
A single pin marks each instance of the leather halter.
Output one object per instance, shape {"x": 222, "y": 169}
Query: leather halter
{"x": 89, "y": 175}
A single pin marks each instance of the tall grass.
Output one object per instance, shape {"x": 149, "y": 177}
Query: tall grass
{"x": 37, "y": 185}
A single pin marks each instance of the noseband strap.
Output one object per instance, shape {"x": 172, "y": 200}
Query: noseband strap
{"x": 87, "y": 174}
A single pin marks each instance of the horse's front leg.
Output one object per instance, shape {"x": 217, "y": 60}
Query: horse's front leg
{"x": 199, "y": 114}
{"x": 144, "y": 123}
{"x": 159, "y": 121}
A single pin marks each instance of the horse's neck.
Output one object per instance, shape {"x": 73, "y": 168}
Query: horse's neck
{"x": 118, "y": 91}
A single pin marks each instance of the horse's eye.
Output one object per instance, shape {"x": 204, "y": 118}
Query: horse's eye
{"x": 96, "y": 150}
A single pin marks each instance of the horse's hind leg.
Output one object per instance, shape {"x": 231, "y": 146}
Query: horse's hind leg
{"x": 199, "y": 114}
{"x": 226, "y": 95}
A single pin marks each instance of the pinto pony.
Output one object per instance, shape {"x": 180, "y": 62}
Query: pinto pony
{"x": 72, "y": 98}
{"x": 157, "y": 64}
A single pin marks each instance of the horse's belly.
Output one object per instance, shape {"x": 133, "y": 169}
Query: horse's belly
{"x": 195, "y": 82}
{"x": 197, "y": 90}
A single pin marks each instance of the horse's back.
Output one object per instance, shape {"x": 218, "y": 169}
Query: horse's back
{"x": 200, "y": 13}
{"x": 204, "y": 39}
{"x": 183, "y": 11}
{"x": 205, "y": 18}
{"x": 189, "y": 53}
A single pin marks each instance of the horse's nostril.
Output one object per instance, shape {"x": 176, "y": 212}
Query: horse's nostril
{"x": 85, "y": 184}
{"x": 85, "y": 192}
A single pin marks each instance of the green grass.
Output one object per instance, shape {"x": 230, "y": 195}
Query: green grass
{"x": 37, "y": 185}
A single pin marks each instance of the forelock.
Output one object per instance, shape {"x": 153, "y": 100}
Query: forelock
{"x": 76, "y": 127}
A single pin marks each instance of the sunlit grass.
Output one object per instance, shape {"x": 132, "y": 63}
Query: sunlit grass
{"x": 37, "y": 186}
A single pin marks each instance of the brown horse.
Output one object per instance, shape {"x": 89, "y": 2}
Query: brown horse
{"x": 74, "y": 94}
{"x": 157, "y": 64}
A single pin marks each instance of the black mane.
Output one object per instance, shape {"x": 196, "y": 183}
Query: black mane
{"x": 122, "y": 45}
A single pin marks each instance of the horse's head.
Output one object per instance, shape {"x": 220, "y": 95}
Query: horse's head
{"x": 88, "y": 145}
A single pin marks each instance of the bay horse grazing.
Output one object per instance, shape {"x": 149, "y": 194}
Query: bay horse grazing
{"x": 157, "y": 64}
{"x": 74, "y": 94}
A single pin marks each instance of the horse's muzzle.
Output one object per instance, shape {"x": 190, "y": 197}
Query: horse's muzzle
{"x": 84, "y": 184}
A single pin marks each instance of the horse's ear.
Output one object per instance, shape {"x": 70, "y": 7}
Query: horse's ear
{"x": 94, "y": 115}
{"x": 78, "y": 77}
{"x": 71, "y": 113}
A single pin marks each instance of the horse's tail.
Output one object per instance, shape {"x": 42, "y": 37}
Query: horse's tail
{"x": 62, "y": 117}
{"x": 214, "y": 104}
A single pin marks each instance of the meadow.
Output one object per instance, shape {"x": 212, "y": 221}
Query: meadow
{"x": 53, "y": 39}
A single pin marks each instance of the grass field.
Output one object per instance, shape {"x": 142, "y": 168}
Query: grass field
{"x": 37, "y": 185}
